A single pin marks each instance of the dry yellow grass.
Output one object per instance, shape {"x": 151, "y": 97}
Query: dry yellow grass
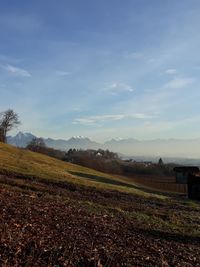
{"x": 23, "y": 162}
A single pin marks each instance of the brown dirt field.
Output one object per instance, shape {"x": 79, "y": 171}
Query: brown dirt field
{"x": 55, "y": 225}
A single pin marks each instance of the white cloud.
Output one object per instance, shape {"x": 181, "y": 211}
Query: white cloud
{"x": 171, "y": 71}
{"x": 16, "y": 71}
{"x": 91, "y": 120}
{"x": 63, "y": 73}
{"x": 178, "y": 83}
{"x": 118, "y": 87}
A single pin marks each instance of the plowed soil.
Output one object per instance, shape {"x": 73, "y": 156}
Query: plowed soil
{"x": 52, "y": 225}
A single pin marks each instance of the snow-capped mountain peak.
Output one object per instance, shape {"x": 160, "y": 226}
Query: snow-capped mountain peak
{"x": 79, "y": 137}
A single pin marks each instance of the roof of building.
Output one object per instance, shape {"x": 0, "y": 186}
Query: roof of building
{"x": 190, "y": 169}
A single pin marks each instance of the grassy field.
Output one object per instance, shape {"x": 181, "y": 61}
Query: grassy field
{"x": 59, "y": 214}
{"x": 30, "y": 165}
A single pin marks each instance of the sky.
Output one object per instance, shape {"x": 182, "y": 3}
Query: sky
{"x": 102, "y": 68}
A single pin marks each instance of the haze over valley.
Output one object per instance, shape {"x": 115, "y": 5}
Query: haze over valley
{"x": 172, "y": 148}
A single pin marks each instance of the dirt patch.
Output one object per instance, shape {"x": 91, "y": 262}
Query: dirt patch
{"x": 80, "y": 226}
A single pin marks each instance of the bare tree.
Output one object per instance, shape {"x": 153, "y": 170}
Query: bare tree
{"x": 2, "y": 137}
{"x": 8, "y": 120}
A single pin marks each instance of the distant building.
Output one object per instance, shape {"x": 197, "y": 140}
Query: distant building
{"x": 189, "y": 175}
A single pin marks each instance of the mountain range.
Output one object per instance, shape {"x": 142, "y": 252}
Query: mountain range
{"x": 78, "y": 142}
{"x": 129, "y": 147}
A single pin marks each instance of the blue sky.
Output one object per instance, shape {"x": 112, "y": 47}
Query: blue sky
{"x": 102, "y": 69}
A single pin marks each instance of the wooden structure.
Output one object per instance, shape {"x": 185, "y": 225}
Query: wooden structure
{"x": 183, "y": 172}
{"x": 194, "y": 187}
{"x": 189, "y": 175}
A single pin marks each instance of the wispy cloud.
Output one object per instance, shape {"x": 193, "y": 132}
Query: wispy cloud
{"x": 171, "y": 71}
{"x": 178, "y": 83}
{"x": 93, "y": 120}
{"x": 16, "y": 71}
{"x": 63, "y": 73}
{"x": 118, "y": 87}
{"x": 98, "y": 119}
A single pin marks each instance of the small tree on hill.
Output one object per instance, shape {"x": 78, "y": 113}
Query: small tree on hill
{"x": 8, "y": 120}
{"x": 160, "y": 162}
{"x": 36, "y": 144}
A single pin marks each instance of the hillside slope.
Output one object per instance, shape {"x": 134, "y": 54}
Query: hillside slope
{"x": 59, "y": 214}
{"x": 20, "y": 162}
